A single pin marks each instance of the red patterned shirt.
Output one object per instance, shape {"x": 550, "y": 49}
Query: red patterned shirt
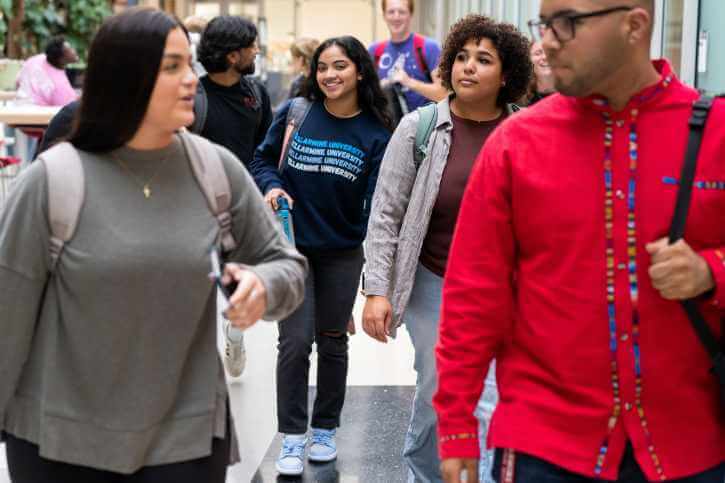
{"x": 548, "y": 274}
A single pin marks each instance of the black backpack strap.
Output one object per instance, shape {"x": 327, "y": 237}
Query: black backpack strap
{"x": 256, "y": 88}
{"x": 201, "y": 107}
{"x": 700, "y": 111}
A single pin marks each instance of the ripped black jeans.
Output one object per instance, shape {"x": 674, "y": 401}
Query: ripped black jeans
{"x": 330, "y": 291}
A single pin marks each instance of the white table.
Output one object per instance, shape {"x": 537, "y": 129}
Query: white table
{"x": 26, "y": 115}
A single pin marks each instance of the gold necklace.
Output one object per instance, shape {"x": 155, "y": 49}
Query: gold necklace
{"x": 324, "y": 103}
{"x": 145, "y": 187}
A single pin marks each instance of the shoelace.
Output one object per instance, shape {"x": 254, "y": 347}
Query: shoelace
{"x": 293, "y": 448}
{"x": 325, "y": 438}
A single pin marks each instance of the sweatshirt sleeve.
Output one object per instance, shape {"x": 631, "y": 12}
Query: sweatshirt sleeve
{"x": 262, "y": 245}
{"x": 477, "y": 308}
{"x": 389, "y": 204}
{"x": 24, "y": 262}
{"x": 264, "y": 166}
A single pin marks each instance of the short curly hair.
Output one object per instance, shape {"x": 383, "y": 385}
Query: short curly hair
{"x": 512, "y": 47}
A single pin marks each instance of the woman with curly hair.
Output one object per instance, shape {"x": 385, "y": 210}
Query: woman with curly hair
{"x": 486, "y": 66}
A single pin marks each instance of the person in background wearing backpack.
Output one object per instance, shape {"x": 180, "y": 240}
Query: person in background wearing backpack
{"x": 109, "y": 369}
{"x": 486, "y": 66}
{"x": 406, "y": 63}
{"x": 560, "y": 269}
{"x": 323, "y": 154}
{"x": 234, "y": 110}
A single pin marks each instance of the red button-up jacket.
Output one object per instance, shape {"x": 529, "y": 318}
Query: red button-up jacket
{"x": 548, "y": 274}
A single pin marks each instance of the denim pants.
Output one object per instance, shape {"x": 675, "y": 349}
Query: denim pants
{"x": 330, "y": 290}
{"x": 421, "y": 442}
{"x": 529, "y": 469}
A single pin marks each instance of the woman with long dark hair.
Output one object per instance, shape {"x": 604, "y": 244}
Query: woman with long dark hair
{"x": 109, "y": 369}
{"x": 322, "y": 153}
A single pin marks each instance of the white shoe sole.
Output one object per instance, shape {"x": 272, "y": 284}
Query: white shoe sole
{"x": 323, "y": 459}
{"x": 285, "y": 472}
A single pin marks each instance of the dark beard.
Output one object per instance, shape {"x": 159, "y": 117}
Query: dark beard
{"x": 245, "y": 70}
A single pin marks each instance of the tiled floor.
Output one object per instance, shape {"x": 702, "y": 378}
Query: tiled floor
{"x": 371, "y": 364}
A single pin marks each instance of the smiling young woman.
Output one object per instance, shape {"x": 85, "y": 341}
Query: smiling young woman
{"x": 329, "y": 169}
{"x": 486, "y": 66}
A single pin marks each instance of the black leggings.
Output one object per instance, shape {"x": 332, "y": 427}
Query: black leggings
{"x": 27, "y": 466}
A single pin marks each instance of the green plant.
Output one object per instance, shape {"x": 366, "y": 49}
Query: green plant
{"x": 84, "y": 18}
{"x": 78, "y": 20}
{"x": 42, "y": 21}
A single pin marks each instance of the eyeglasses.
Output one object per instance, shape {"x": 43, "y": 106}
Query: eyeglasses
{"x": 563, "y": 25}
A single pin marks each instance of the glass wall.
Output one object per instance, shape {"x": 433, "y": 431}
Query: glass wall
{"x": 672, "y": 33}
{"x": 711, "y": 41}
{"x": 517, "y": 12}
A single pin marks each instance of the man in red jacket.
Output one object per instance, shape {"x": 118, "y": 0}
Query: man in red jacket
{"x": 560, "y": 270}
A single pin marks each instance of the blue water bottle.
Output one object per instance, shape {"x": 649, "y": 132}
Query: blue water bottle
{"x": 284, "y": 214}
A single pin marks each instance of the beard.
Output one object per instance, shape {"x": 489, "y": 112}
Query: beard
{"x": 244, "y": 69}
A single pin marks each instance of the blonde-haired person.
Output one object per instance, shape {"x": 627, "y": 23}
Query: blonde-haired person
{"x": 302, "y": 51}
{"x": 407, "y": 61}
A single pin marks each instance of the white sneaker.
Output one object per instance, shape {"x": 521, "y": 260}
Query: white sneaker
{"x": 235, "y": 357}
{"x": 291, "y": 457}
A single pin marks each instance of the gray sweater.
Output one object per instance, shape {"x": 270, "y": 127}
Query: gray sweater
{"x": 112, "y": 363}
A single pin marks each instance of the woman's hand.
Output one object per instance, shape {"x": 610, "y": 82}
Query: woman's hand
{"x": 377, "y": 316}
{"x": 271, "y": 197}
{"x": 248, "y": 303}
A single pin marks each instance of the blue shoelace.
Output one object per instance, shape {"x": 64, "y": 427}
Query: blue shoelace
{"x": 324, "y": 438}
{"x": 293, "y": 448}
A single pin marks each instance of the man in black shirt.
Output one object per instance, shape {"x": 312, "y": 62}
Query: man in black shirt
{"x": 233, "y": 110}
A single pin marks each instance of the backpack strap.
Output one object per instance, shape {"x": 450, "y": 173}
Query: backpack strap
{"x": 212, "y": 178}
{"x": 426, "y": 123}
{"x": 700, "y": 112}
{"x": 201, "y": 107}
{"x": 66, "y": 192}
{"x": 379, "y": 51}
{"x": 418, "y": 47}
{"x": 296, "y": 115}
{"x": 256, "y": 89}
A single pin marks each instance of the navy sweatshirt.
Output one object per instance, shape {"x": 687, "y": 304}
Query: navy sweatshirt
{"x": 330, "y": 172}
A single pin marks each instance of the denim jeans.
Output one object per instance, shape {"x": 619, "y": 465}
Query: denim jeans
{"x": 529, "y": 469}
{"x": 421, "y": 441}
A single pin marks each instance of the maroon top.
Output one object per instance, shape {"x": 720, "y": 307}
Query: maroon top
{"x": 467, "y": 139}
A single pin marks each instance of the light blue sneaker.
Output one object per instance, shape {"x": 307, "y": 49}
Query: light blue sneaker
{"x": 291, "y": 457}
{"x": 323, "y": 448}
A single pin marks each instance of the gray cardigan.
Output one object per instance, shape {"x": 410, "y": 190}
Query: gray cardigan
{"x": 402, "y": 207}
{"x": 112, "y": 362}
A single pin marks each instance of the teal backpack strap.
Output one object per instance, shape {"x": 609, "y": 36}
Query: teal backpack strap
{"x": 511, "y": 108}
{"x": 426, "y": 123}
{"x": 66, "y": 192}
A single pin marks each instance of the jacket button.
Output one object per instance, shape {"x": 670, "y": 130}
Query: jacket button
{"x": 624, "y": 338}
{"x": 620, "y": 194}
{"x": 628, "y": 406}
